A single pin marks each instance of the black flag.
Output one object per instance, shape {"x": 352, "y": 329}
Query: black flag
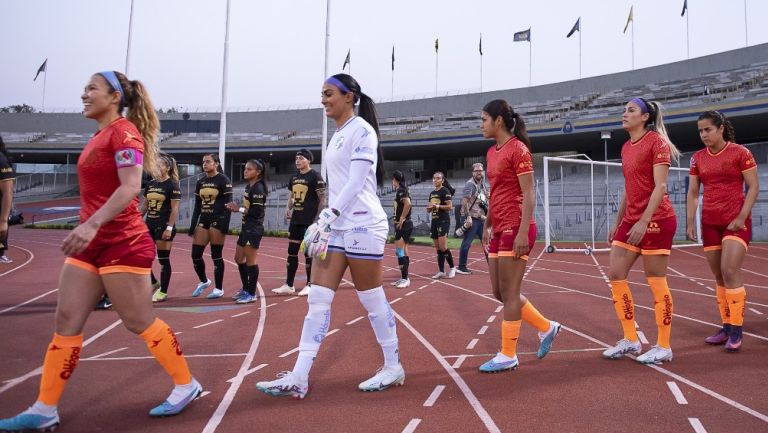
{"x": 41, "y": 69}
{"x": 346, "y": 61}
{"x": 685, "y": 7}
{"x": 523, "y": 36}
{"x": 576, "y": 28}
{"x": 393, "y": 57}
{"x": 481, "y": 44}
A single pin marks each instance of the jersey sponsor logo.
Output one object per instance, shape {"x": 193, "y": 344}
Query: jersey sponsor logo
{"x": 70, "y": 364}
{"x": 128, "y": 158}
{"x": 667, "y": 312}
{"x": 362, "y": 149}
{"x": 360, "y": 212}
{"x": 749, "y": 162}
{"x": 627, "y": 308}
{"x": 323, "y": 329}
{"x": 653, "y": 227}
{"x": 360, "y": 230}
{"x": 365, "y": 133}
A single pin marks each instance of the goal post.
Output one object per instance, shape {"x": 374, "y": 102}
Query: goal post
{"x": 581, "y": 198}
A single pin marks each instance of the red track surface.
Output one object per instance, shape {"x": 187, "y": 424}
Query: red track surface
{"x": 443, "y": 339}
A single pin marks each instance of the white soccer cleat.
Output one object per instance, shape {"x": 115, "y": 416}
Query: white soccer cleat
{"x": 621, "y": 348}
{"x": 438, "y": 275}
{"x": 305, "y": 290}
{"x": 286, "y": 384}
{"x": 402, "y": 284}
{"x": 285, "y": 289}
{"x": 451, "y": 273}
{"x": 656, "y": 355}
{"x": 384, "y": 378}
{"x": 396, "y": 282}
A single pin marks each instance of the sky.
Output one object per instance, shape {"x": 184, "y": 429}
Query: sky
{"x": 276, "y": 48}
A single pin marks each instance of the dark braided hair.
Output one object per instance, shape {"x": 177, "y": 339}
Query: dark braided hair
{"x": 512, "y": 120}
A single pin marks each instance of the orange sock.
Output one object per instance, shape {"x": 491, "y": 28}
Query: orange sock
{"x": 663, "y": 308}
{"x": 60, "y": 361}
{"x": 510, "y": 332}
{"x": 722, "y": 305}
{"x": 625, "y": 308}
{"x": 531, "y": 315}
{"x": 162, "y": 342}
{"x": 737, "y": 298}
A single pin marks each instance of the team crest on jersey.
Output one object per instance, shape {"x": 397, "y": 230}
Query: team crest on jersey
{"x": 339, "y": 142}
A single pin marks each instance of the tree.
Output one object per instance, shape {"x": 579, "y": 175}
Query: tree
{"x": 22, "y": 108}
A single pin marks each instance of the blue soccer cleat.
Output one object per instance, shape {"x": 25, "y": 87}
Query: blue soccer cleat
{"x": 29, "y": 422}
{"x": 168, "y": 409}
{"x": 546, "y": 338}
{"x": 496, "y": 367}
{"x": 200, "y": 287}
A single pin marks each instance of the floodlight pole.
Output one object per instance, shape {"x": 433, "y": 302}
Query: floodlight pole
{"x": 324, "y": 134}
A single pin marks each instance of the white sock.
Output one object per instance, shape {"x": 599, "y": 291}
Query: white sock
{"x": 500, "y": 357}
{"x": 40, "y": 408}
{"x": 383, "y": 322}
{"x": 317, "y": 322}
{"x": 180, "y": 392}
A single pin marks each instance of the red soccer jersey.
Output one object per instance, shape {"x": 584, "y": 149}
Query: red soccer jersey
{"x": 504, "y": 167}
{"x": 637, "y": 162}
{"x": 721, "y": 175}
{"x": 97, "y": 171}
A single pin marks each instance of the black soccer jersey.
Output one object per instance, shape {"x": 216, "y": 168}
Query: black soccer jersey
{"x": 304, "y": 188}
{"x": 159, "y": 195}
{"x": 212, "y": 193}
{"x": 6, "y": 172}
{"x": 401, "y": 194}
{"x": 440, "y": 197}
{"x": 254, "y": 200}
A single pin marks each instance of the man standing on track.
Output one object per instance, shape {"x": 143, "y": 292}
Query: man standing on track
{"x": 6, "y": 200}
{"x": 307, "y": 197}
{"x": 473, "y": 209}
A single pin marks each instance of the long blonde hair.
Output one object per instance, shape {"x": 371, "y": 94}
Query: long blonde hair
{"x": 141, "y": 112}
{"x": 173, "y": 169}
{"x": 655, "y": 123}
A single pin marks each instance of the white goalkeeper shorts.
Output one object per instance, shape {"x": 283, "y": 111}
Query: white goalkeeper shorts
{"x": 365, "y": 243}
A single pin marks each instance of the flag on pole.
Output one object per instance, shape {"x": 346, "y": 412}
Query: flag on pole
{"x": 523, "y": 36}
{"x": 346, "y": 60}
{"x": 629, "y": 18}
{"x": 685, "y": 8}
{"x": 393, "y": 57}
{"x": 481, "y": 44}
{"x": 436, "y": 45}
{"x": 41, "y": 69}
{"x": 576, "y": 28}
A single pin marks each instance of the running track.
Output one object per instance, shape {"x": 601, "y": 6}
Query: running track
{"x": 447, "y": 329}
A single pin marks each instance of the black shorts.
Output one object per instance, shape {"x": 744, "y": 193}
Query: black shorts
{"x": 296, "y": 231}
{"x": 157, "y": 228}
{"x": 405, "y": 232}
{"x": 439, "y": 228}
{"x": 218, "y": 222}
{"x": 249, "y": 238}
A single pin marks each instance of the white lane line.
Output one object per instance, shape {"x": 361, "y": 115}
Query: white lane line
{"x": 491, "y": 355}
{"x": 28, "y": 301}
{"x": 698, "y": 427}
{"x": 410, "y": 293}
{"x": 31, "y": 256}
{"x": 15, "y": 381}
{"x": 102, "y": 355}
{"x": 209, "y": 323}
{"x": 355, "y": 320}
{"x": 498, "y": 310}
{"x": 294, "y": 350}
{"x": 241, "y": 314}
{"x": 250, "y": 371}
{"x": 332, "y": 331}
{"x": 742, "y": 269}
{"x": 755, "y": 311}
{"x": 394, "y": 300}
{"x": 179, "y": 332}
{"x": 472, "y": 344}
{"x": 267, "y": 306}
{"x": 482, "y": 330}
{"x": 679, "y": 397}
{"x": 434, "y": 396}
{"x": 642, "y": 337}
{"x": 411, "y": 427}
{"x": 203, "y": 394}
{"x": 150, "y": 357}
{"x": 292, "y": 299}
{"x": 223, "y": 406}
{"x": 490, "y": 319}
{"x": 484, "y": 416}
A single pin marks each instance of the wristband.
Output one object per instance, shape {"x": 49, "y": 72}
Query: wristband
{"x": 169, "y": 228}
{"x": 241, "y": 210}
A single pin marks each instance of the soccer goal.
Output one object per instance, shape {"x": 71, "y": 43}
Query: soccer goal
{"x": 581, "y": 197}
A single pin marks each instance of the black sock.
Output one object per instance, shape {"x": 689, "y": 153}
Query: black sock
{"x": 293, "y": 265}
{"x": 308, "y": 268}
{"x": 253, "y": 279}
{"x": 404, "y": 271}
{"x": 198, "y": 263}
{"x": 242, "y": 268}
{"x": 440, "y": 260}
{"x": 152, "y": 276}
{"x": 448, "y": 258}
{"x": 164, "y": 257}
{"x": 218, "y": 265}
{"x": 400, "y": 264}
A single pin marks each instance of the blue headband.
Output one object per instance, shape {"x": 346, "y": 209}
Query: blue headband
{"x": 336, "y": 82}
{"x": 640, "y": 103}
{"x": 111, "y": 78}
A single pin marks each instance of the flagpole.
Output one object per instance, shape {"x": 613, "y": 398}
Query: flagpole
{"x": 580, "y": 30}
{"x": 687, "y": 37}
{"x": 128, "y": 48}
{"x": 746, "y": 33}
{"x": 224, "y": 73}
{"x": 45, "y": 79}
{"x": 481, "y": 62}
{"x": 436, "y": 69}
{"x": 633, "y": 43}
{"x": 530, "y": 50}
{"x": 324, "y": 134}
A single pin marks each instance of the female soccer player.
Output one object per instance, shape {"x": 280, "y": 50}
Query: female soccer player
{"x": 210, "y": 223}
{"x": 510, "y": 230}
{"x": 110, "y": 250}
{"x": 161, "y": 204}
{"x": 254, "y": 199}
{"x": 645, "y": 225}
{"x": 440, "y": 207}
{"x": 403, "y": 227}
{"x": 6, "y": 199}
{"x": 353, "y": 231}
{"x": 723, "y": 167}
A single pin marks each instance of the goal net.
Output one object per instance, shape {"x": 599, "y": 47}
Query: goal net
{"x": 580, "y": 198}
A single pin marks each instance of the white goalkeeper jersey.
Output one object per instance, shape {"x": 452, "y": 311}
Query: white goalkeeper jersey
{"x": 355, "y": 140}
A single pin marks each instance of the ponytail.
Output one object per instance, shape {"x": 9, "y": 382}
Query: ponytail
{"x": 3, "y": 150}
{"x": 261, "y": 166}
{"x": 173, "y": 169}
{"x": 718, "y": 119}
{"x": 141, "y": 112}
{"x": 512, "y": 120}
{"x": 448, "y": 185}
{"x": 656, "y": 123}
{"x": 367, "y": 111}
